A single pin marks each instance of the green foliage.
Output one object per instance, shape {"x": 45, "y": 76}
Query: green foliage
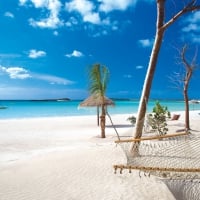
{"x": 132, "y": 120}
{"x": 158, "y": 119}
{"x": 98, "y": 77}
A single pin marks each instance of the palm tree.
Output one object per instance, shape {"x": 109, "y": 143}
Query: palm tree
{"x": 98, "y": 77}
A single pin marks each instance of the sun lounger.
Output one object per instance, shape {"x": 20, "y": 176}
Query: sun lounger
{"x": 175, "y": 117}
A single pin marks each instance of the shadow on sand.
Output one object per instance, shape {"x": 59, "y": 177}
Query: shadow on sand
{"x": 120, "y": 126}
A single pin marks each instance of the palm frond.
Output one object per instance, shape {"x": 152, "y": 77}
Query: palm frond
{"x": 105, "y": 77}
{"x": 98, "y": 77}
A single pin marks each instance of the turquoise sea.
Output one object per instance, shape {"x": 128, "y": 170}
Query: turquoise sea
{"x": 28, "y": 109}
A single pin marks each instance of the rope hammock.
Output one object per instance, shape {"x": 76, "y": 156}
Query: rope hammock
{"x": 174, "y": 158}
{"x": 168, "y": 156}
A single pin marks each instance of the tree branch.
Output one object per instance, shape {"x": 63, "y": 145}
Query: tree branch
{"x": 187, "y": 65}
{"x": 191, "y": 6}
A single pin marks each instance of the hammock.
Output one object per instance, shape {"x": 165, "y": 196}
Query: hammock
{"x": 169, "y": 156}
{"x": 174, "y": 158}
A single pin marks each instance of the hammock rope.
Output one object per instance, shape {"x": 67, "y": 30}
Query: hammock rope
{"x": 113, "y": 125}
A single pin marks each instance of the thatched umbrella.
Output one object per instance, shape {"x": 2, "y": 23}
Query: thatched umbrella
{"x": 96, "y": 101}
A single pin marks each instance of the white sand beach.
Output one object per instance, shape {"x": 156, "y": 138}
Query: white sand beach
{"x": 64, "y": 158}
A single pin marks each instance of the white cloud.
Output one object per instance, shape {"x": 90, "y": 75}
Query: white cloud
{"x": 145, "y": 43}
{"x": 92, "y": 18}
{"x": 34, "y": 92}
{"x": 55, "y": 33}
{"x": 193, "y": 18}
{"x": 192, "y": 22}
{"x": 90, "y": 15}
{"x": 82, "y": 6}
{"x": 191, "y": 27}
{"x": 51, "y": 22}
{"x": 110, "y": 5}
{"x": 36, "y": 3}
{"x": 196, "y": 39}
{"x": 15, "y": 72}
{"x": 21, "y": 73}
{"x": 86, "y": 9}
{"x": 139, "y": 67}
{"x": 53, "y": 6}
{"x": 52, "y": 79}
{"x": 78, "y": 11}
{"x": 127, "y": 76}
{"x": 72, "y": 21}
{"x": 192, "y": 37}
{"x": 22, "y": 2}
{"x": 9, "y": 14}
{"x": 75, "y": 53}
{"x": 35, "y": 54}
{"x": 39, "y": 3}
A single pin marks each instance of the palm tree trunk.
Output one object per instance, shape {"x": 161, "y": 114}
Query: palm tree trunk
{"x": 97, "y": 115}
{"x": 103, "y": 121}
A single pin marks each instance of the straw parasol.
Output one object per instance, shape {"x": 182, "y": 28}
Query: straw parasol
{"x": 96, "y": 101}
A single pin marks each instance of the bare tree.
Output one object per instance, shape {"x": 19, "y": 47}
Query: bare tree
{"x": 182, "y": 80}
{"x": 161, "y": 26}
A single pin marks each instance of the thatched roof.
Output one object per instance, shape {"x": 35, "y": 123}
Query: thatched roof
{"x": 94, "y": 101}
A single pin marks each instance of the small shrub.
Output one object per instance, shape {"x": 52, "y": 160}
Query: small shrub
{"x": 157, "y": 120}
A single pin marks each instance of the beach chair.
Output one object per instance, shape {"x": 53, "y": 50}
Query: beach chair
{"x": 175, "y": 117}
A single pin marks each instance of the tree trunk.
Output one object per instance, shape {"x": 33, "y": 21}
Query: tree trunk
{"x": 185, "y": 94}
{"x": 97, "y": 115}
{"x": 151, "y": 70}
{"x": 187, "y": 117}
{"x": 103, "y": 121}
{"x": 189, "y": 71}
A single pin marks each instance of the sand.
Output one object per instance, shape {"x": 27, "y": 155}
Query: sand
{"x": 64, "y": 158}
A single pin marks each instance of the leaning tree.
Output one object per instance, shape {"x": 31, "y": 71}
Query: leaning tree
{"x": 161, "y": 26}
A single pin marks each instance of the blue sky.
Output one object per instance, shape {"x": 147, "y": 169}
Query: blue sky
{"x": 47, "y": 46}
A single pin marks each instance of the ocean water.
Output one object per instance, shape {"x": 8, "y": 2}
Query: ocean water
{"x": 28, "y": 109}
